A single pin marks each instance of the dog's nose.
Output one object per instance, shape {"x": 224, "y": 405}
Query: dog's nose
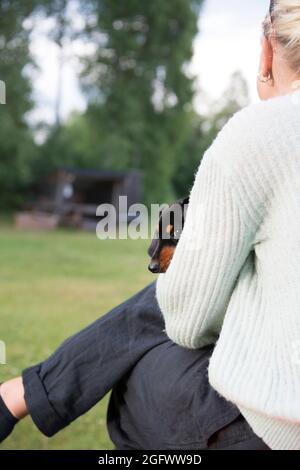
{"x": 154, "y": 267}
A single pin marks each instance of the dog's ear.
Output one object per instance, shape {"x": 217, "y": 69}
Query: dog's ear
{"x": 182, "y": 201}
{"x": 156, "y": 236}
{"x": 153, "y": 247}
{"x": 184, "y": 204}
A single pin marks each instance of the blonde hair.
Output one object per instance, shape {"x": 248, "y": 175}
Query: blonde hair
{"x": 283, "y": 24}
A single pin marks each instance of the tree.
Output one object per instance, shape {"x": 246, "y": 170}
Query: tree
{"x": 137, "y": 86}
{"x": 16, "y": 144}
{"x": 140, "y": 98}
{"x": 204, "y": 129}
{"x": 235, "y": 97}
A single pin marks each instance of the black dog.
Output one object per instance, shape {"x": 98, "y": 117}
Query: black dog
{"x": 166, "y": 237}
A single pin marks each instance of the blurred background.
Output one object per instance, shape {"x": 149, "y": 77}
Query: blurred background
{"x": 103, "y": 97}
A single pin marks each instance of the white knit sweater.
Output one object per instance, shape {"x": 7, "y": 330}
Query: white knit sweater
{"x": 236, "y": 269}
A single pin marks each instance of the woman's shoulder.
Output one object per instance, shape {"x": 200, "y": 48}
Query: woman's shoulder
{"x": 258, "y": 130}
{"x": 265, "y": 115}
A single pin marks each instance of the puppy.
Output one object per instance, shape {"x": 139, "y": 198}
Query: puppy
{"x": 166, "y": 236}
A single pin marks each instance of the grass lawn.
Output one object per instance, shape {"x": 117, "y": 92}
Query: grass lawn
{"x": 51, "y": 285}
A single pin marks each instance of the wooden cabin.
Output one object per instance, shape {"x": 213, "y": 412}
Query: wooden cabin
{"x": 71, "y": 195}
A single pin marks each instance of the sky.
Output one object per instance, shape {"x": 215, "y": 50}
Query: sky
{"x": 228, "y": 40}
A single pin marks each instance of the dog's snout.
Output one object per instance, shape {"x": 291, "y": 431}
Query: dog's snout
{"x": 154, "y": 267}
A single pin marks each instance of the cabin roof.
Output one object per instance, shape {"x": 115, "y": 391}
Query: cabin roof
{"x": 95, "y": 173}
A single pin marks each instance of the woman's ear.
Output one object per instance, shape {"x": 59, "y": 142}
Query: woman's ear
{"x": 266, "y": 57}
{"x": 265, "y": 82}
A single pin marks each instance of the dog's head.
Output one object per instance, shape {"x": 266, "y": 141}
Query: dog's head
{"x": 166, "y": 236}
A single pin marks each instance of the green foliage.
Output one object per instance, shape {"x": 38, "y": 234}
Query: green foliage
{"x": 16, "y": 145}
{"x": 83, "y": 141}
{"x": 235, "y": 97}
{"x": 203, "y": 130}
{"x": 190, "y": 156}
{"x": 137, "y": 88}
{"x": 139, "y": 111}
{"x": 17, "y": 152}
{"x": 140, "y": 98}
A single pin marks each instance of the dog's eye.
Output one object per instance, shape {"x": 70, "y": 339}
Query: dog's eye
{"x": 177, "y": 233}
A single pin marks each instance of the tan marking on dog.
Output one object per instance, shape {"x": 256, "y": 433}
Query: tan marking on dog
{"x": 165, "y": 257}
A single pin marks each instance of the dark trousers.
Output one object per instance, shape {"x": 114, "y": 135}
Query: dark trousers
{"x": 160, "y": 398}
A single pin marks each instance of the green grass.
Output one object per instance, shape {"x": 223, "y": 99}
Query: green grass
{"x": 51, "y": 285}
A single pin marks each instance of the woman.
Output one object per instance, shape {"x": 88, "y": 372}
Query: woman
{"x": 236, "y": 282}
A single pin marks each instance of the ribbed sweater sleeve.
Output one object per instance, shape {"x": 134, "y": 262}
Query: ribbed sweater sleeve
{"x": 217, "y": 239}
